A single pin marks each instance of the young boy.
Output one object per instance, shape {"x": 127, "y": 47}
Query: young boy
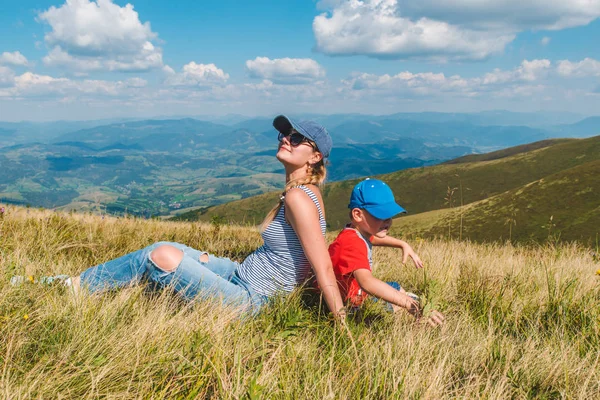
{"x": 372, "y": 206}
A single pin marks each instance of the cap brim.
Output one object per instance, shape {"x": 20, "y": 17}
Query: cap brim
{"x": 385, "y": 211}
{"x": 283, "y": 124}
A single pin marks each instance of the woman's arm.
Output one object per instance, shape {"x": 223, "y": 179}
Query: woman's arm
{"x": 303, "y": 216}
{"x": 407, "y": 250}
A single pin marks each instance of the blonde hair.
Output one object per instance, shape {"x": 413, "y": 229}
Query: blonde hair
{"x": 316, "y": 176}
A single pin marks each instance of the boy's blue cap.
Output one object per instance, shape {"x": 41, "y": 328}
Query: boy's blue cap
{"x": 309, "y": 129}
{"x": 376, "y": 197}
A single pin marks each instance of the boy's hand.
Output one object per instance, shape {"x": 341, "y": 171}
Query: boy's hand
{"x": 411, "y": 305}
{"x": 409, "y": 252}
{"x": 435, "y": 319}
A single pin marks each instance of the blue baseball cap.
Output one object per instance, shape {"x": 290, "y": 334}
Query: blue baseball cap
{"x": 376, "y": 197}
{"x": 309, "y": 129}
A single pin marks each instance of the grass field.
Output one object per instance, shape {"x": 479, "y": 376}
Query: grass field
{"x": 522, "y": 322}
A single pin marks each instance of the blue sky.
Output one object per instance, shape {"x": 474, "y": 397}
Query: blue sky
{"x": 83, "y": 59}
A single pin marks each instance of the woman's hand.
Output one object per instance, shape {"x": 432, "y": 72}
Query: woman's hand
{"x": 341, "y": 314}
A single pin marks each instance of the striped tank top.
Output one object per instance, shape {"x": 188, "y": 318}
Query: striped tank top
{"x": 280, "y": 264}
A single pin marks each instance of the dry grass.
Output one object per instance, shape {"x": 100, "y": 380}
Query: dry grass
{"x": 522, "y": 323}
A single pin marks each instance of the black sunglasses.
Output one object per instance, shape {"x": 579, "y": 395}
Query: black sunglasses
{"x": 295, "y": 139}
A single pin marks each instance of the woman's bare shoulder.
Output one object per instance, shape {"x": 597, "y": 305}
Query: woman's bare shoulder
{"x": 317, "y": 192}
{"x": 299, "y": 200}
{"x": 296, "y": 195}
{"x": 300, "y": 208}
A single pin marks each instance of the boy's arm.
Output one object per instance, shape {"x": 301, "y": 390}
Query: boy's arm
{"x": 407, "y": 250}
{"x": 382, "y": 290}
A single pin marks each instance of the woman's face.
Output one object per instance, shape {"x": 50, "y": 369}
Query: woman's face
{"x": 296, "y": 155}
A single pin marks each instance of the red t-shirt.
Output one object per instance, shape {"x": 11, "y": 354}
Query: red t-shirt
{"x": 350, "y": 251}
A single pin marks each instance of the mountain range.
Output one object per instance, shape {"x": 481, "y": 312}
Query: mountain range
{"x": 166, "y": 166}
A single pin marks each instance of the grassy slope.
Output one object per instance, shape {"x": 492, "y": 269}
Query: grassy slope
{"x": 521, "y": 323}
{"x": 511, "y": 151}
{"x": 425, "y": 189}
{"x": 569, "y": 197}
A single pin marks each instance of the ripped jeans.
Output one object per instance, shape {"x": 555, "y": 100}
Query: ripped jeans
{"x": 215, "y": 279}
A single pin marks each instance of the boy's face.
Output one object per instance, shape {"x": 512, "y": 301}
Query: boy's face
{"x": 368, "y": 225}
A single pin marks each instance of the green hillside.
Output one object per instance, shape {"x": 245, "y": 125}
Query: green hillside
{"x": 512, "y": 173}
{"x": 563, "y": 206}
{"x": 511, "y": 151}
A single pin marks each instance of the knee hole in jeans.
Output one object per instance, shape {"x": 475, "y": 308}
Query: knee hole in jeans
{"x": 203, "y": 257}
{"x": 166, "y": 257}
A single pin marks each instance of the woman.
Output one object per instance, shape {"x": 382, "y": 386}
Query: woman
{"x": 293, "y": 234}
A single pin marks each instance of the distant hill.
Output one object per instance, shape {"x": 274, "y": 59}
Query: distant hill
{"x": 147, "y": 132}
{"x": 483, "y": 118}
{"x": 6, "y": 132}
{"x": 450, "y": 132}
{"x": 535, "y": 181}
{"x": 511, "y": 151}
{"x": 588, "y": 126}
{"x": 28, "y": 132}
{"x": 496, "y": 117}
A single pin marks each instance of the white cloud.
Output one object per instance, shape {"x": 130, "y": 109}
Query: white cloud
{"x": 136, "y": 82}
{"x": 34, "y": 85}
{"x": 14, "y": 58}
{"x": 406, "y": 80}
{"x": 196, "y": 75}
{"x": 528, "y": 71}
{"x": 586, "y": 67}
{"x": 88, "y": 36}
{"x": 244, "y": 96}
{"x": 439, "y": 29}
{"x": 168, "y": 70}
{"x": 516, "y": 82}
{"x": 7, "y": 77}
{"x": 545, "y": 41}
{"x": 285, "y": 70}
{"x": 59, "y": 57}
{"x": 300, "y": 92}
{"x": 205, "y": 86}
{"x": 30, "y": 79}
{"x": 508, "y": 15}
{"x": 407, "y": 84}
{"x": 30, "y": 85}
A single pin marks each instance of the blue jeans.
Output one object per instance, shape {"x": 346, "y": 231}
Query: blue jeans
{"x": 214, "y": 279}
{"x": 389, "y": 306}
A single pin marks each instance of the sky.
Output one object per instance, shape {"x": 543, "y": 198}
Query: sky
{"x": 85, "y": 59}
